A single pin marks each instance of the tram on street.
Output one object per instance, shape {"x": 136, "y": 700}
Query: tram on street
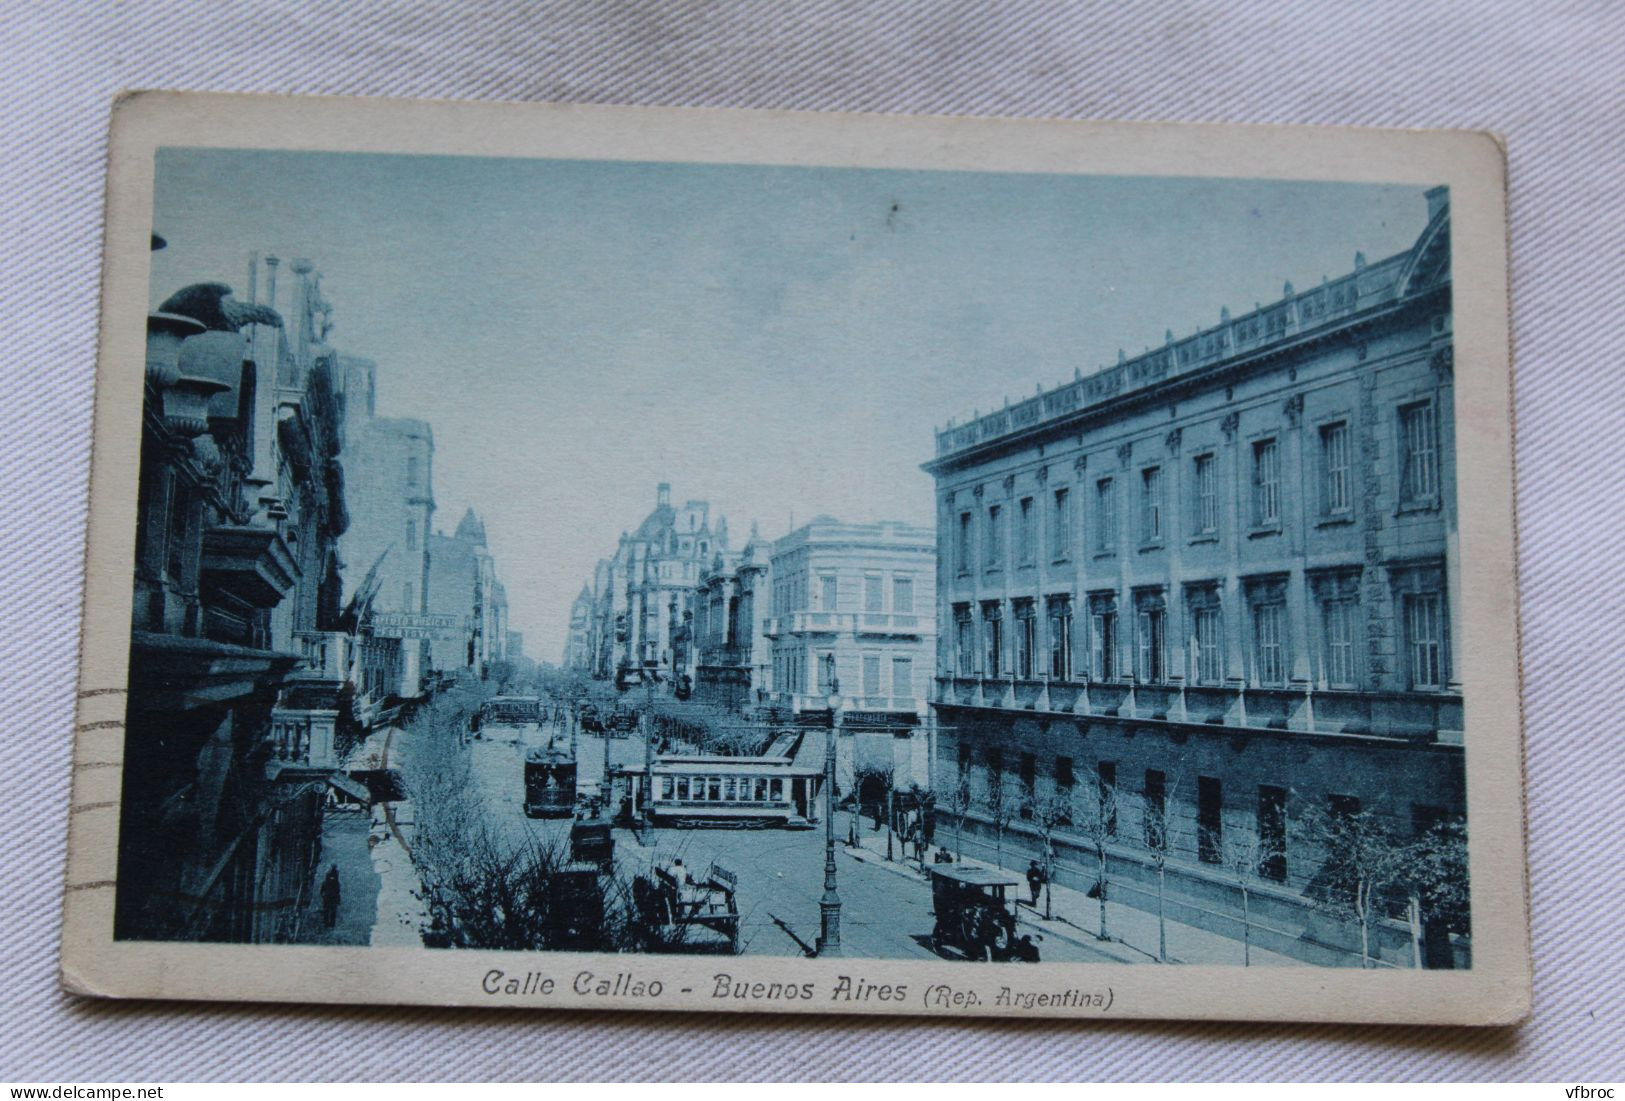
{"x": 550, "y": 782}
{"x": 508, "y": 718}
{"x": 779, "y": 789}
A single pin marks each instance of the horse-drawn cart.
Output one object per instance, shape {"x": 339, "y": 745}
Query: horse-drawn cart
{"x": 675, "y": 907}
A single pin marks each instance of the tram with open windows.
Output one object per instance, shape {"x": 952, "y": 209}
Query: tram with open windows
{"x": 780, "y": 788}
{"x": 509, "y": 718}
{"x": 550, "y": 782}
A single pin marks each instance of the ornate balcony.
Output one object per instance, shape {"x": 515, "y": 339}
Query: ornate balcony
{"x": 250, "y": 564}
{"x": 890, "y": 623}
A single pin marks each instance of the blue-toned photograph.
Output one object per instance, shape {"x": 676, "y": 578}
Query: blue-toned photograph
{"x": 669, "y": 558}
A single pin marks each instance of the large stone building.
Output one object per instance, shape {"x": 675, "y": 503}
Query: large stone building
{"x": 235, "y": 707}
{"x": 1217, "y": 585}
{"x": 578, "y": 644}
{"x": 463, "y": 584}
{"x": 388, "y": 467}
{"x": 643, "y": 597}
{"x": 863, "y": 594}
{"x": 733, "y": 659}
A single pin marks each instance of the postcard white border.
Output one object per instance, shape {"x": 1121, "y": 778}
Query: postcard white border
{"x": 1497, "y": 989}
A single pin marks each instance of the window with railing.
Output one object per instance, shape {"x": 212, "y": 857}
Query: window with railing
{"x": 1151, "y": 505}
{"x": 1205, "y": 518}
{"x": 1060, "y": 637}
{"x": 1026, "y": 535}
{"x": 1105, "y": 517}
{"x": 1418, "y": 455}
{"x": 1424, "y": 639}
{"x": 1336, "y": 488}
{"x": 1266, "y": 483}
{"x": 1061, "y": 526}
{"x": 1207, "y": 635}
{"x": 1149, "y": 622}
{"x": 1103, "y": 638}
{"x": 1269, "y": 640}
{"x": 1420, "y": 591}
{"x": 964, "y": 640}
{"x": 1026, "y": 637}
{"x": 992, "y": 638}
{"x": 1340, "y": 617}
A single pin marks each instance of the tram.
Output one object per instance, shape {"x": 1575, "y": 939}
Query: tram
{"x": 506, "y": 718}
{"x": 550, "y": 782}
{"x": 777, "y": 789}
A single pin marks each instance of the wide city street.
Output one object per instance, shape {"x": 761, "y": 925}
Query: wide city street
{"x": 886, "y": 907}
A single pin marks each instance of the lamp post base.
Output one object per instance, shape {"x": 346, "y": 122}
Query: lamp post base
{"x": 829, "y": 937}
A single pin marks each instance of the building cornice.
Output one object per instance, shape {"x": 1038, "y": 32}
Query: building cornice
{"x": 1228, "y": 370}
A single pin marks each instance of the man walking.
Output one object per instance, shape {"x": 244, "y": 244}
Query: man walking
{"x": 330, "y": 897}
{"x": 1035, "y": 880}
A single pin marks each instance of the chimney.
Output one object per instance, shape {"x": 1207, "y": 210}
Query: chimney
{"x": 663, "y": 495}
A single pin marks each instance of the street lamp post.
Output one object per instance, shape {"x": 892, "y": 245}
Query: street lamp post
{"x": 829, "y": 906}
{"x": 647, "y": 819}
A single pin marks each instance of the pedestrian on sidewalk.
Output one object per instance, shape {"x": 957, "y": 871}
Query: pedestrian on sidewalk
{"x": 330, "y": 897}
{"x": 1035, "y": 880}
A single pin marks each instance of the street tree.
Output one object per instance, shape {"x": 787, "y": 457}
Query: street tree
{"x": 1363, "y": 860}
{"x": 1097, "y": 822}
{"x": 1048, "y": 812}
{"x": 1157, "y": 834}
{"x": 1002, "y": 800}
{"x": 1242, "y": 855}
{"x": 957, "y": 799}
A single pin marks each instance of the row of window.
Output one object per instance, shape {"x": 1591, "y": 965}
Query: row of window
{"x": 1266, "y": 850}
{"x": 829, "y": 594}
{"x": 1029, "y": 645}
{"x": 1418, "y": 471}
{"x": 879, "y": 674}
{"x": 722, "y": 789}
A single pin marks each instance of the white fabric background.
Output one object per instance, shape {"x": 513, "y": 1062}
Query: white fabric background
{"x": 1547, "y": 75}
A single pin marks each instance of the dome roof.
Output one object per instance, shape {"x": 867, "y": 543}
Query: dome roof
{"x": 471, "y": 529}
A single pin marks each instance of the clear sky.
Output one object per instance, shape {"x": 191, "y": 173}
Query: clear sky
{"x": 778, "y": 341}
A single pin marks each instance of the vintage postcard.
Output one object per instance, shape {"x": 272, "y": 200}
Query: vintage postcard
{"x": 615, "y": 558}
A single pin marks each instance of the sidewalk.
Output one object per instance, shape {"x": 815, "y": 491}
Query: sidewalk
{"x": 400, "y": 917}
{"x": 1076, "y": 916}
{"x": 344, "y": 845}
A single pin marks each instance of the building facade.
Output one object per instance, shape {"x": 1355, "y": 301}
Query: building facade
{"x": 1217, "y": 586}
{"x": 388, "y": 465}
{"x": 734, "y": 660}
{"x": 864, "y": 595}
{"x": 234, "y": 715}
{"x": 644, "y": 595}
{"x": 463, "y": 584}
